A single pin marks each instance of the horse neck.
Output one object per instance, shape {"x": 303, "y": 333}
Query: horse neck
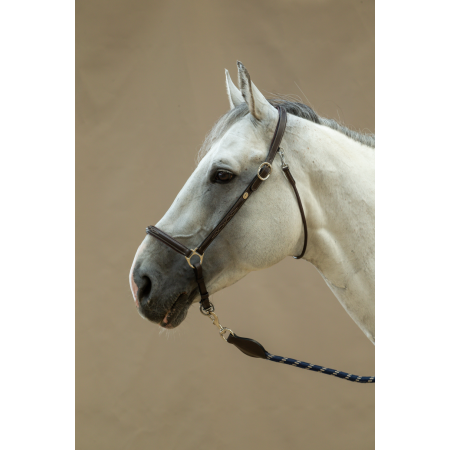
{"x": 335, "y": 178}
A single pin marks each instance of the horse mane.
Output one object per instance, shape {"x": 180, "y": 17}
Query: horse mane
{"x": 295, "y": 108}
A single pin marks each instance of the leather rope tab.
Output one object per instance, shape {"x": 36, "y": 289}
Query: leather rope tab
{"x": 249, "y": 347}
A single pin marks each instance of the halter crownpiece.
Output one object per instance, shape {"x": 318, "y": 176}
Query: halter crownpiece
{"x": 247, "y": 346}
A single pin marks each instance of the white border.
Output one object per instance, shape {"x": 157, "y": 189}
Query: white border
{"x": 37, "y": 331}
{"x": 37, "y": 238}
{"x": 412, "y": 225}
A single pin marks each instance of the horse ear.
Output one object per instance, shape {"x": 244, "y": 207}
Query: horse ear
{"x": 259, "y": 107}
{"x": 234, "y": 95}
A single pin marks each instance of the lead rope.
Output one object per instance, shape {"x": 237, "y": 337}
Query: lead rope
{"x": 253, "y": 348}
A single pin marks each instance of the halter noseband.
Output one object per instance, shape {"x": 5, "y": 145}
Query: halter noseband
{"x": 263, "y": 173}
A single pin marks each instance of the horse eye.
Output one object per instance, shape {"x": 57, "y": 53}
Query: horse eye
{"x": 222, "y": 176}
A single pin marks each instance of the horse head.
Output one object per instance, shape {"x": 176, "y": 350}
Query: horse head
{"x": 267, "y": 228}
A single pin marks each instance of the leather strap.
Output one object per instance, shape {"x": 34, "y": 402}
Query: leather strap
{"x": 227, "y": 217}
{"x": 254, "y": 184}
{"x": 291, "y": 180}
{"x": 168, "y": 240}
{"x": 248, "y": 346}
{"x": 204, "y": 300}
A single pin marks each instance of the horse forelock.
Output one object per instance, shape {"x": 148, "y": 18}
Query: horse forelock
{"x": 292, "y": 107}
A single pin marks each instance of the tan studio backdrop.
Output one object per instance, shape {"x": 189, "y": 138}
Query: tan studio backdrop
{"x": 150, "y": 84}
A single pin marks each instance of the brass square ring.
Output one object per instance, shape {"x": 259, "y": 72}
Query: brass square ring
{"x": 194, "y": 252}
{"x": 259, "y": 170}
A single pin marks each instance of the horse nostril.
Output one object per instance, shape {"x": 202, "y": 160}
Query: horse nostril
{"x": 144, "y": 290}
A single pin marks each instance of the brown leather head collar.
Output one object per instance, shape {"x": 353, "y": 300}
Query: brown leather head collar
{"x": 262, "y": 175}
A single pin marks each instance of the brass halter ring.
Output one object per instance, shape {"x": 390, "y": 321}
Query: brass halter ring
{"x": 259, "y": 170}
{"x": 194, "y": 252}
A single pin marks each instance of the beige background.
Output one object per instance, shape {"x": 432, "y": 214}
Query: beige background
{"x": 150, "y": 84}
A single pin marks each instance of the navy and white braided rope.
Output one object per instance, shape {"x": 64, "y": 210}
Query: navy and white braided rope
{"x": 315, "y": 368}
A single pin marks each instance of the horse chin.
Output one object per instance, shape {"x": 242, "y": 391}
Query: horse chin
{"x": 168, "y": 317}
{"x": 176, "y": 314}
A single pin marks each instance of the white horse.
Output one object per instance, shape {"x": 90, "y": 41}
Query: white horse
{"x": 334, "y": 170}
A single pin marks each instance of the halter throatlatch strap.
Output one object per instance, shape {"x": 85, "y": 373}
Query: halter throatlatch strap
{"x": 291, "y": 180}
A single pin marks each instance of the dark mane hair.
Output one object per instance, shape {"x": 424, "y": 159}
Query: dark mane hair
{"x": 295, "y": 108}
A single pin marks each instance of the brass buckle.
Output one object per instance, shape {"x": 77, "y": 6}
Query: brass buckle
{"x": 265, "y": 163}
{"x": 194, "y": 252}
